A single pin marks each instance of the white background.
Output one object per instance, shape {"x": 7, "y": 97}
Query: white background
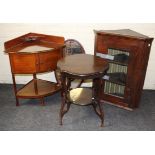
{"x": 82, "y": 32}
{"x": 79, "y": 11}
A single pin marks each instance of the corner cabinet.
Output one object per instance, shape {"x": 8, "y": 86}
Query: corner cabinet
{"x": 128, "y": 53}
{"x": 32, "y": 54}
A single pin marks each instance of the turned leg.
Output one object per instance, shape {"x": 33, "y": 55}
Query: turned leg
{"x": 99, "y": 111}
{"x": 15, "y": 89}
{"x": 42, "y": 101}
{"x": 17, "y": 102}
{"x": 62, "y": 108}
{"x": 64, "y": 102}
{"x": 101, "y": 114}
{"x": 97, "y": 89}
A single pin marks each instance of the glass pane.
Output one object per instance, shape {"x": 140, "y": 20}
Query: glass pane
{"x": 117, "y": 73}
{"x": 121, "y": 57}
{"x": 114, "y": 89}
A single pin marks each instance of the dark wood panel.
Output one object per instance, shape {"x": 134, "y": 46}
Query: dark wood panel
{"x": 23, "y": 63}
{"x": 20, "y": 40}
{"x": 138, "y": 46}
{"x": 48, "y": 60}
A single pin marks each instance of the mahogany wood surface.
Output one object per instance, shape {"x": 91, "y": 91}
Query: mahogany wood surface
{"x": 38, "y": 88}
{"x": 31, "y": 54}
{"x": 38, "y": 37}
{"x": 138, "y": 46}
{"x": 82, "y": 66}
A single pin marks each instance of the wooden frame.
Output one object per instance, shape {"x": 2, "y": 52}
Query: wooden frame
{"x": 138, "y": 47}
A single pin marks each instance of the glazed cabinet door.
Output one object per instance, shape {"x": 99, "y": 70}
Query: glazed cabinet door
{"x": 118, "y": 81}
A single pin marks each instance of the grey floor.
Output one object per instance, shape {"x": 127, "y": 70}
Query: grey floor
{"x": 31, "y": 116}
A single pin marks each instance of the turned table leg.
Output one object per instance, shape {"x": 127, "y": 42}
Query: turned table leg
{"x": 15, "y": 89}
{"x": 97, "y": 90}
{"x": 42, "y": 101}
{"x": 64, "y": 92}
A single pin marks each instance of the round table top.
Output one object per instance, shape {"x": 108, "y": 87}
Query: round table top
{"x": 83, "y": 64}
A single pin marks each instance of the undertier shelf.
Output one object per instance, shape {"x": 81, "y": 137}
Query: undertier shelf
{"x": 81, "y": 96}
{"x": 38, "y": 88}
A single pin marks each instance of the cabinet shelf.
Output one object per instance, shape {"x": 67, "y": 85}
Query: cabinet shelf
{"x": 121, "y": 59}
{"x": 118, "y": 78}
{"x": 118, "y": 63}
{"x": 117, "y": 95}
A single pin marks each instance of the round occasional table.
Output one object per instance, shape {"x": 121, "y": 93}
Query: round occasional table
{"x": 82, "y": 66}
